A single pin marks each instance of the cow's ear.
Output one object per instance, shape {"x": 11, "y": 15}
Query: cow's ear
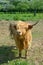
{"x": 15, "y": 26}
{"x": 30, "y": 26}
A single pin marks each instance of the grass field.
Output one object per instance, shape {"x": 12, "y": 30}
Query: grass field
{"x": 7, "y": 45}
{"x": 21, "y": 16}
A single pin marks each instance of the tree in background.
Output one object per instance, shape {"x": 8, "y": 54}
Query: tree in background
{"x": 22, "y": 5}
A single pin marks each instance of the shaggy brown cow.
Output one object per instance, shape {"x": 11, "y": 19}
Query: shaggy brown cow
{"x": 21, "y": 32}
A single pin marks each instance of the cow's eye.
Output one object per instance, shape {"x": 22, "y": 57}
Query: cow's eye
{"x": 26, "y": 28}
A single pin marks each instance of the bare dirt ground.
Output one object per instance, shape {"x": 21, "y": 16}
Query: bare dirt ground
{"x": 36, "y": 51}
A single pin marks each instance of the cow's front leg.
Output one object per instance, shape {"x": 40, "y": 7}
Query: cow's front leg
{"x": 26, "y": 53}
{"x": 19, "y": 53}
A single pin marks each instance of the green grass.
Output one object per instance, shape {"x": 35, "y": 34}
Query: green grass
{"x": 21, "y": 16}
{"x": 18, "y": 62}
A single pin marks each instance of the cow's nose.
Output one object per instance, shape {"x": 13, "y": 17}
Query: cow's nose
{"x": 20, "y": 33}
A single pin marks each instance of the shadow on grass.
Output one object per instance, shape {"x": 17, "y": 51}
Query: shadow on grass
{"x": 6, "y": 54}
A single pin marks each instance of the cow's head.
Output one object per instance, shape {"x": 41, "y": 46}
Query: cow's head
{"x": 21, "y": 28}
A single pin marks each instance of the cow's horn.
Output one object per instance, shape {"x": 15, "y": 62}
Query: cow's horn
{"x": 35, "y": 23}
